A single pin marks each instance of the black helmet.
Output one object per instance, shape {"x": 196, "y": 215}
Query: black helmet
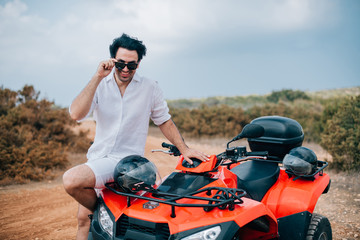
{"x": 135, "y": 173}
{"x": 300, "y": 161}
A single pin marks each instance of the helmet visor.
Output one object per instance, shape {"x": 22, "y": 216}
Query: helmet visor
{"x": 297, "y": 165}
{"x": 145, "y": 176}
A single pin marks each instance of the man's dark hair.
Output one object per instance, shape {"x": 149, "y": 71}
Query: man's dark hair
{"x": 125, "y": 41}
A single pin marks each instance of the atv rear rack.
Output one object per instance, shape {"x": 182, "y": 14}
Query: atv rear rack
{"x": 320, "y": 170}
{"x": 222, "y": 199}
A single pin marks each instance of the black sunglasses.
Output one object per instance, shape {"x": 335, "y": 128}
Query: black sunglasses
{"x": 122, "y": 65}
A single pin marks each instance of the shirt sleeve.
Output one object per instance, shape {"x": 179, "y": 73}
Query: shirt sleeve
{"x": 160, "y": 110}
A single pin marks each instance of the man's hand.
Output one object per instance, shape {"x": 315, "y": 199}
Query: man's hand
{"x": 192, "y": 153}
{"x": 105, "y": 67}
{"x": 170, "y": 131}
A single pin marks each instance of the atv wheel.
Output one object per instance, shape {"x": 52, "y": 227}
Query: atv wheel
{"x": 319, "y": 228}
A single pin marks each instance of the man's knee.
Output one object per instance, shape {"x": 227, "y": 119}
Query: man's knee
{"x": 77, "y": 178}
{"x": 69, "y": 181}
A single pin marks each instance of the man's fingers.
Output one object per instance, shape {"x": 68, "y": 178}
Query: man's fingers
{"x": 203, "y": 157}
{"x": 188, "y": 160}
{"x": 191, "y": 153}
{"x": 108, "y": 64}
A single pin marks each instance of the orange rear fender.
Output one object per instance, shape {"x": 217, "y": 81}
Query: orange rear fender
{"x": 288, "y": 197}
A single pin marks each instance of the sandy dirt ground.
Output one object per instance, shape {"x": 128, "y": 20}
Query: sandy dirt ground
{"x": 44, "y": 211}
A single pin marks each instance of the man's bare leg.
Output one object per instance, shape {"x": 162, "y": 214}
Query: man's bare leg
{"x": 79, "y": 182}
{"x": 83, "y": 223}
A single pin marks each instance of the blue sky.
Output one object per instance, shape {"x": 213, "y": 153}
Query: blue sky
{"x": 196, "y": 48}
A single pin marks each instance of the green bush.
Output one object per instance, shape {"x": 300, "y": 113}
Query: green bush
{"x": 287, "y": 95}
{"x": 341, "y": 136}
{"x": 35, "y": 136}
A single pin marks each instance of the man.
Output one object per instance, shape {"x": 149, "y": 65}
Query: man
{"x": 121, "y": 103}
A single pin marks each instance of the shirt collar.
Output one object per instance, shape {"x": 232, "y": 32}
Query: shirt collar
{"x": 109, "y": 77}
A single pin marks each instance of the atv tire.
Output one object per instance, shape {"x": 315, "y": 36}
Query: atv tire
{"x": 319, "y": 228}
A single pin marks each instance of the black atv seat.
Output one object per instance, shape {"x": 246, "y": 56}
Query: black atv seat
{"x": 256, "y": 177}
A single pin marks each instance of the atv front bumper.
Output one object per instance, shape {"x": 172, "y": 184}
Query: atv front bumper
{"x": 132, "y": 228}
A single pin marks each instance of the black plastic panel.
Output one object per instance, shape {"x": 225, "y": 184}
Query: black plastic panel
{"x": 181, "y": 183}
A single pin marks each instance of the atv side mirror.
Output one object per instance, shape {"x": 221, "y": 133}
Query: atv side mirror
{"x": 251, "y": 130}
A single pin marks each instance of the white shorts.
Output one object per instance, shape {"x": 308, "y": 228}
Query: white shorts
{"x": 103, "y": 169}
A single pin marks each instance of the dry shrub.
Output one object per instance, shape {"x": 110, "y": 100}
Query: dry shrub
{"x": 332, "y": 122}
{"x": 223, "y": 121}
{"x": 35, "y": 137}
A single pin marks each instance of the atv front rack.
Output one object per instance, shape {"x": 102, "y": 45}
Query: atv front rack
{"x": 222, "y": 199}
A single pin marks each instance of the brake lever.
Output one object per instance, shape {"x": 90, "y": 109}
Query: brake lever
{"x": 163, "y": 151}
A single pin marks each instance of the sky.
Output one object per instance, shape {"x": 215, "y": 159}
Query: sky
{"x": 195, "y": 48}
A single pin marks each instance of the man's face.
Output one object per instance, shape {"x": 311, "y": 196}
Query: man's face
{"x": 129, "y": 57}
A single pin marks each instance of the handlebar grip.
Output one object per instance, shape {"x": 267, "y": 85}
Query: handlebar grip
{"x": 172, "y": 148}
{"x": 166, "y": 145}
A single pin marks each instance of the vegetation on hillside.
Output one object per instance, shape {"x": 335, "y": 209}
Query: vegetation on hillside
{"x": 332, "y": 120}
{"x": 341, "y": 135}
{"x": 246, "y": 102}
{"x": 35, "y": 136}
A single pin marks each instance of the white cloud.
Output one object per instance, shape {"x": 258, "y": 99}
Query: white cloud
{"x": 12, "y": 9}
{"x": 41, "y": 40}
{"x": 164, "y": 24}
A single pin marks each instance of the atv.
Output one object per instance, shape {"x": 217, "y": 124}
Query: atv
{"x": 237, "y": 194}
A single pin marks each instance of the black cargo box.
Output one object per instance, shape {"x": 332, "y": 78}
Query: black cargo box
{"x": 280, "y": 136}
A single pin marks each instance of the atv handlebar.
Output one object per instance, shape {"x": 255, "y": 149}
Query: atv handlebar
{"x": 173, "y": 150}
{"x": 234, "y": 154}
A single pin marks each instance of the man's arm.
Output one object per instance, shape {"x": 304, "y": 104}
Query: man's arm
{"x": 171, "y": 132}
{"x": 82, "y": 103}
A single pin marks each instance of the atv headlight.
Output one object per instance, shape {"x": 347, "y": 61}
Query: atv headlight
{"x": 105, "y": 220}
{"x": 208, "y": 234}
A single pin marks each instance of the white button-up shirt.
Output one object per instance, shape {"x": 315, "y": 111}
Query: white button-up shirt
{"x": 122, "y": 122}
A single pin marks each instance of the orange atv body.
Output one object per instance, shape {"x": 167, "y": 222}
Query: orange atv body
{"x": 246, "y": 198}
